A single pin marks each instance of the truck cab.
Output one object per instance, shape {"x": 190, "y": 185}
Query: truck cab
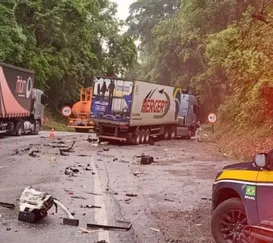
{"x": 242, "y": 199}
{"x": 188, "y": 115}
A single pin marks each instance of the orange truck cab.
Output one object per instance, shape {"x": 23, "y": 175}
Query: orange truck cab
{"x": 80, "y": 119}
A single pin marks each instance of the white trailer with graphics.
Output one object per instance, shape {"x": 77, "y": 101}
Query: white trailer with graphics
{"x": 132, "y": 111}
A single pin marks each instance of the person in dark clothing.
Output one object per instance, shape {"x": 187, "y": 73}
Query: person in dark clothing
{"x": 111, "y": 89}
{"x": 98, "y": 89}
{"x": 103, "y": 89}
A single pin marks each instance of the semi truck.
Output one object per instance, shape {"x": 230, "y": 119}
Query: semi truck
{"x": 21, "y": 105}
{"x": 132, "y": 111}
{"x": 80, "y": 119}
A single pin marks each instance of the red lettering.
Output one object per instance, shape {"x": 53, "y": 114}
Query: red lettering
{"x": 154, "y": 106}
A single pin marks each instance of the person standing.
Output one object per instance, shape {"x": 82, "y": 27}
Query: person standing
{"x": 111, "y": 89}
{"x": 98, "y": 90}
{"x": 103, "y": 89}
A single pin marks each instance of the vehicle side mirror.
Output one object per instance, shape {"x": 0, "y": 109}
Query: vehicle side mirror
{"x": 261, "y": 160}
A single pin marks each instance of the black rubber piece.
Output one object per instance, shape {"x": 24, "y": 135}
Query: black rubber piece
{"x": 71, "y": 222}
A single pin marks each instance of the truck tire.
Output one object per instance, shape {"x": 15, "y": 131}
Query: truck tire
{"x": 166, "y": 135}
{"x": 136, "y": 138}
{"x": 142, "y": 136}
{"x": 172, "y": 132}
{"x": 225, "y": 211}
{"x": 147, "y": 136}
{"x": 37, "y": 126}
{"x": 19, "y": 128}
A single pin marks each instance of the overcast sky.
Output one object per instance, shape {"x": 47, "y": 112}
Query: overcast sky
{"x": 123, "y": 8}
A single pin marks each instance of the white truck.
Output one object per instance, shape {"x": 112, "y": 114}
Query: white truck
{"x": 133, "y": 111}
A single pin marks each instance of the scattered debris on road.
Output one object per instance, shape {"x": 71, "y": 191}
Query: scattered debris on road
{"x": 78, "y": 197}
{"x": 71, "y": 222}
{"x": 145, "y": 159}
{"x": 7, "y": 205}
{"x": 92, "y": 140}
{"x": 110, "y": 227}
{"x": 91, "y": 206}
{"x": 34, "y": 153}
{"x": 131, "y": 195}
{"x": 70, "y": 171}
{"x": 157, "y": 230}
{"x": 33, "y": 205}
{"x": 92, "y": 193}
{"x": 70, "y": 149}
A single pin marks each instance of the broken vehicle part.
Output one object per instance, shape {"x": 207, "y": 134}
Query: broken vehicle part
{"x": 131, "y": 195}
{"x": 70, "y": 149}
{"x": 72, "y": 222}
{"x": 7, "y": 205}
{"x": 146, "y": 160}
{"x": 109, "y": 227}
{"x": 33, "y": 205}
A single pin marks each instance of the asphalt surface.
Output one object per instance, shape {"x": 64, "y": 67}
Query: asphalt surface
{"x": 171, "y": 201}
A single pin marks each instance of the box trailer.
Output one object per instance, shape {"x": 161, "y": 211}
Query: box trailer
{"x": 132, "y": 111}
{"x": 21, "y": 106}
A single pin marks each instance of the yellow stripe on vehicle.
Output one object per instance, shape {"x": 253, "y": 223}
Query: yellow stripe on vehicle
{"x": 240, "y": 175}
{"x": 265, "y": 176}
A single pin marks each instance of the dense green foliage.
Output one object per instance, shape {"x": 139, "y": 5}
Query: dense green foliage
{"x": 221, "y": 50}
{"x": 65, "y": 42}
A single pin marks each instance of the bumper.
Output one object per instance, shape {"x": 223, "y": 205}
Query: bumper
{"x": 113, "y": 138}
{"x": 82, "y": 127}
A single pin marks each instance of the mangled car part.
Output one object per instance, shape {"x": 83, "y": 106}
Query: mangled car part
{"x": 34, "y": 205}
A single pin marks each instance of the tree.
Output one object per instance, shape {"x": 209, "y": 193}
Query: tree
{"x": 65, "y": 43}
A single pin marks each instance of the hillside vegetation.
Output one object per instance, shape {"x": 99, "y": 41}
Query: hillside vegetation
{"x": 221, "y": 50}
{"x": 65, "y": 42}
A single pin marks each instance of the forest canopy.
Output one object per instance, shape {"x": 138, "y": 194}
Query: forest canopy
{"x": 65, "y": 42}
{"x": 220, "y": 50}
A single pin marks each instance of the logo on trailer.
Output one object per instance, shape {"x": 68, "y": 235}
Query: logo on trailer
{"x": 23, "y": 87}
{"x": 156, "y": 105}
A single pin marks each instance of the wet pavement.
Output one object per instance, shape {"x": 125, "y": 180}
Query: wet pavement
{"x": 169, "y": 201}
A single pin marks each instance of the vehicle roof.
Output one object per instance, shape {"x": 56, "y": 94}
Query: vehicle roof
{"x": 15, "y": 67}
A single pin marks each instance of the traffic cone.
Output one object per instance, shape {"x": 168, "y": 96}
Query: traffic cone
{"x": 51, "y": 135}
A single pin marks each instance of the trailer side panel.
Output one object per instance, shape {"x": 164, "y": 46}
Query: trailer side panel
{"x": 155, "y": 104}
{"x": 15, "y": 91}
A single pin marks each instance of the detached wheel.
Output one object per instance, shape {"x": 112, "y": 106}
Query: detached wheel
{"x": 229, "y": 223}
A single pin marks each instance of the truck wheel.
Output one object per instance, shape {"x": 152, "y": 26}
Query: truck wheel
{"x": 172, "y": 132}
{"x": 136, "y": 138}
{"x": 229, "y": 221}
{"x": 166, "y": 135}
{"x": 147, "y": 136}
{"x": 142, "y": 136}
{"x": 19, "y": 128}
{"x": 37, "y": 126}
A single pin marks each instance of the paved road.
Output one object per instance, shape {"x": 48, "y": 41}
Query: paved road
{"x": 172, "y": 202}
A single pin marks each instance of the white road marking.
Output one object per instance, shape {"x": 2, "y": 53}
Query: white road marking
{"x": 100, "y": 215}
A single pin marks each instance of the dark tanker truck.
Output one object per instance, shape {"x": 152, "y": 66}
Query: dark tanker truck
{"x": 21, "y": 105}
